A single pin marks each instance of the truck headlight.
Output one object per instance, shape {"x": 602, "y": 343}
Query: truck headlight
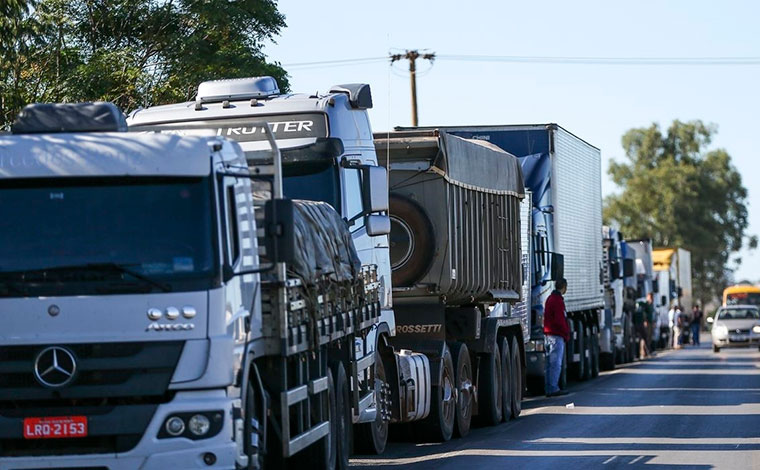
{"x": 756, "y": 329}
{"x": 199, "y": 425}
{"x": 175, "y": 426}
{"x": 192, "y": 425}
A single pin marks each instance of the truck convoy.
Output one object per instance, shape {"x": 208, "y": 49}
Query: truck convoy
{"x": 237, "y": 282}
{"x": 563, "y": 174}
{"x": 616, "y": 332}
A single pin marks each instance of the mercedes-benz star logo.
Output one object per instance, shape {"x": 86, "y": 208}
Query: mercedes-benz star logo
{"x": 55, "y": 367}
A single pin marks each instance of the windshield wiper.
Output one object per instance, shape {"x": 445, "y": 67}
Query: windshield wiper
{"x": 96, "y": 267}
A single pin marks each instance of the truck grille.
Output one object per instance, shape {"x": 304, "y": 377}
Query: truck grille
{"x": 117, "y": 386}
{"x": 104, "y": 370}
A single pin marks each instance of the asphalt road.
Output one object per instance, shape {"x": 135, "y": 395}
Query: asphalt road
{"x": 685, "y": 409}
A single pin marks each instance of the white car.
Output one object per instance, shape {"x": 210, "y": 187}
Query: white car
{"x": 736, "y": 326}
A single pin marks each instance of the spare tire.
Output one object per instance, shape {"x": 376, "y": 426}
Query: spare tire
{"x": 412, "y": 242}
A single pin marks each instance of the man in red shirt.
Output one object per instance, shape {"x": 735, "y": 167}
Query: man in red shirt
{"x": 556, "y": 334}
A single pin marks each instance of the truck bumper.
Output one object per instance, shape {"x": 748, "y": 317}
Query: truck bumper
{"x": 153, "y": 453}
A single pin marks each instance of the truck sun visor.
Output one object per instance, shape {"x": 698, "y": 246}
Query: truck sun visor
{"x": 69, "y": 117}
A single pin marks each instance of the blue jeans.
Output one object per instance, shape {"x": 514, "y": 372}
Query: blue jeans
{"x": 695, "y": 333}
{"x": 555, "y": 351}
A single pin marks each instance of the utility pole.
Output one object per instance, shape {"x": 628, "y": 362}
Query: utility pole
{"x": 412, "y": 57}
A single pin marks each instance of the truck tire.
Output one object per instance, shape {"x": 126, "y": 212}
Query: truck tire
{"x": 371, "y": 438}
{"x": 490, "y": 411}
{"x": 252, "y": 426}
{"x": 323, "y": 454}
{"x": 594, "y": 355}
{"x": 439, "y": 425}
{"x": 517, "y": 379}
{"x": 607, "y": 361}
{"x": 411, "y": 241}
{"x": 586, "y": 352}
{"x": 464, "y": 388}
{"x": 580, "y": 345}
{"x": 716, "y": 349}
{"x": 506, "y": 378}
{"x": 343, "y": 425}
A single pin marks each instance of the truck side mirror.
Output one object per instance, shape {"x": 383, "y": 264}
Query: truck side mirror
{"x": 280, "y": 230}
{"x": 709, "y": 319}
{"x": 376, "y": 224}
{"x": 664, "y": 300}
{"x": 376, "y": 189}
{"x": 614, "y": 270}
{"x": 557, "y": 266}
{"x": 680, "y": 292}
{"x": 629, "y": 267}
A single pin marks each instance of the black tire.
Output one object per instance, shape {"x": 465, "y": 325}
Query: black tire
{"x": 506, "y": 378}
{"x": 587, "y": 352}
{"x": 607, "y": 361}
{"x": 439, "y": 425}
{"x": 717, "y": 349}
{"x": 464, "y": 388}
{"x": 342, "y": 416}
{"x": 490, "y": 411}
{"x": 578, "y": 368}
{"x": 371, "y": 438}
{"x": 411, "y": 241}
{"x": 323, "y": 454}
{"x": 517, "y": 379}
{"x": 536, "y": 385}
{"x": 594, "y": 355}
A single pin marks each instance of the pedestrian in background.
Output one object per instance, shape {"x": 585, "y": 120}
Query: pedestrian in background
{"x": 678, "y": 324}
{"x": 556, "y": 334}
{"x": 651, "y": 319}
{"x": 641, "y": 327}
{"x": 696, "y": 324}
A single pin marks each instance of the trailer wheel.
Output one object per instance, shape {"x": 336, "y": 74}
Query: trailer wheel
{"x": 439, "y": 425}
{"x": 580, "y": 345}
{"x": 586, "y": 352}
{"x": 464, "y": 388}
{"x": 607, "y": 360}
{"x": 342, "y": 416}
{"x": 371, "y": 438}
{"x": 490, "y": 411}
{"x": 506, "y": 378}
{"x": 517, "y": 382}
{"x": 594, "y": 355}
{"x": 324, "y": 453}
{"x": 411, "y": 241}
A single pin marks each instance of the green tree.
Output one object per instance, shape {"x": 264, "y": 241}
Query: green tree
{"x": 131, "y": 52}
{"x": 680, "y": 194}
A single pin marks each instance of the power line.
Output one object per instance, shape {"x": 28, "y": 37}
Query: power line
{"x": 560, "y": 60}
{"x": 607, "y": 60}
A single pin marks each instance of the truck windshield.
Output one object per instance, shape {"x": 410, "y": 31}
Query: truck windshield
{"x": 312, "y": 180}
{"x": 105, "y": 236}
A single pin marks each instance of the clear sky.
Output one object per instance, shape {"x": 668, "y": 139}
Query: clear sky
{"x": 596, "y": 102}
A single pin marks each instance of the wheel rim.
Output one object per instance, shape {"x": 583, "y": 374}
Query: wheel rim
{"x": 465, "y": 391}
{"x": 448, "y": 399}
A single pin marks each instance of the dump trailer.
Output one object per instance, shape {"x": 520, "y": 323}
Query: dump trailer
{"x": 226, "y": 343}
{"x": 616, "y": 330}
{"x": 563, "y": 172}
{"x": 328, "y": 156}
{"x": 457, "y": 268}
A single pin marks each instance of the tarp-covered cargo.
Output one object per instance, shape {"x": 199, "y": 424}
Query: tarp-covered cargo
{"x": 455, "y": 217}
